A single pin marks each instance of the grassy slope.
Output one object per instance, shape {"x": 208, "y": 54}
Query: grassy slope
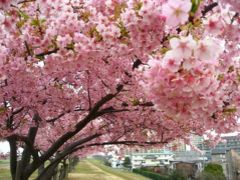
{"x": 120, "y": 173}
{"x": 5, "y": 171}
{"x": 84, "y": 168}
{"x": 85, "y": 172}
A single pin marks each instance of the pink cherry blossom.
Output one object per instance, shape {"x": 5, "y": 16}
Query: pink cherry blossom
{"x": 204, "y": 49}
{"x": 5, "y": 4}
{"x": 176, "y": 12}
{"x": 213, "y": 25}
{"x": 235, "y": 4}
{"x": 183, "y": 47}
{"x": 76, "y": 75}
{"x": 171, "y": 61}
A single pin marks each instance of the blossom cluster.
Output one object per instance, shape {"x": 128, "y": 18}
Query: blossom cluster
{"x": 64, "y": 51}
{"x": 184, "y": 84}
{"x": 176, "y": 12}
{"x": 234, "y": 4}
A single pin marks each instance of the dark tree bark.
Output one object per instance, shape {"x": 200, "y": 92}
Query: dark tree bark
{"x": 93, "y": 114}
{"x": 13, "y": 156}
{"x": 41, "y": 169}
{"x": 30, "y": 161}
{"x": 63, "y": 170}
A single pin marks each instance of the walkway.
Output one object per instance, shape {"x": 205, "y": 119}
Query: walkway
{"x": 87, "y": 170}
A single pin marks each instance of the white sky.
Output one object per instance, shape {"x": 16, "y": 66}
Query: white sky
{"x": 4, "y": 147}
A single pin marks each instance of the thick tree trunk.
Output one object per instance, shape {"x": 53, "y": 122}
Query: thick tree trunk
{"x": 28, "y": 152}
{"x": 19, "y": 175}
{"x": 93, "y": 114}
{"x": 72, "y": 163}
{"x": 55, "y": 175}
{"x": 49, "y": 174}
{"x": 41, "y": 169}
{"x": 63, "y": 171}
{"x": 22, "y": 169}
{"x": 13, "y": 156}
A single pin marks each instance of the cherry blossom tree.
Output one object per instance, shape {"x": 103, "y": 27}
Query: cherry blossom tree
{"x": 76, "y": 75}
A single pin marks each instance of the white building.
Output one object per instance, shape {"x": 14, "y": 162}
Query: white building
{"x": 116, "y": 161}
{"x": 151, "y": 159}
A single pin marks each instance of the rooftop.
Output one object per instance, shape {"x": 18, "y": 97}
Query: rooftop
{"x": 161, "y": 152}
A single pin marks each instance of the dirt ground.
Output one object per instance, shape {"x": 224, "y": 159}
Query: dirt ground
{"x": 98, "y": 174}
{"x": 86, "y": 170}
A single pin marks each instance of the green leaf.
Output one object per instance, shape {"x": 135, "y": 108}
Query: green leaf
{"x": 135, "y": 102}
{"x": 70, "y": 46}
{"x": 2, "y": 110}
{"x": 123, "y": 30}
{"x": 23, "y": 15}
{"x": 230, "y": 110}
{"x": 37, "y": 22}
{"x": 20, "y": 24}
{"x": 220, "y": 77}
{"x": 195, "y": 6}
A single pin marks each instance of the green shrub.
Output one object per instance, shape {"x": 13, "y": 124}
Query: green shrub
{"x": 127, "y": 162}
{"x": 210, "y": 176}
{"x": 177, "y": 175}
{"x": 212, "y": 171}
{"x": 107, "y": 163}
{"x": 149, "y": 174}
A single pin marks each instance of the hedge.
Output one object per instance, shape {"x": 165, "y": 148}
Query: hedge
{"x": 151, "y": 175}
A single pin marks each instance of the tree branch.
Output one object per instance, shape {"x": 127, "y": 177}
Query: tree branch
{"x": 88, "y": 92}
{"x": 29, "y": 149}
{"x": 209, "y": 8}
{"x": 144, "y": 143}
{"x": 112, "y": 110}
{"x": 57, "y": 117}
{"x": 67, "y": 151}
{"x": 78, "y": 127}
{"x": 40, "y": 55}
{"x": 75, "y": 147}
{"x": 10, "y": 119}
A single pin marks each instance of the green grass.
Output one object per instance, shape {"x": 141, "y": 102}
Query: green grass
{"x": 91, "y": 169}
{"x": 5, "y": 174}
{"x": 5, "y": 171}
{"x": 4, "y": 163}
{"x": 84, "y": 168}
{"x": 84, "y": 171}
{"x": 120, "y": 173}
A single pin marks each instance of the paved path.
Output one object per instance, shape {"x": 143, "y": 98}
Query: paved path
{"x": 98, "y": 174}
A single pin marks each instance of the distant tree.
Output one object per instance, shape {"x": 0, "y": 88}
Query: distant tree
{"x": 127, "y": 162}
{"x": 212, "y": 171}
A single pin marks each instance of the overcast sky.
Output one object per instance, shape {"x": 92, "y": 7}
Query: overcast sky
{"x": 4, "y": 147}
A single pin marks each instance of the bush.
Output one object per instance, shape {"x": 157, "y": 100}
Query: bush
{"x": 107, "y": 163}
{"x": 177, "y": 175}
{"x": 127, "y": 162}
{"x": 151, "y": 175}
{"x": 212, "y": 171}
{"x": 210, "y": 176}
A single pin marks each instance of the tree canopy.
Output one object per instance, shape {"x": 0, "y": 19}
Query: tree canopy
{"x": 79, "y": 74}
